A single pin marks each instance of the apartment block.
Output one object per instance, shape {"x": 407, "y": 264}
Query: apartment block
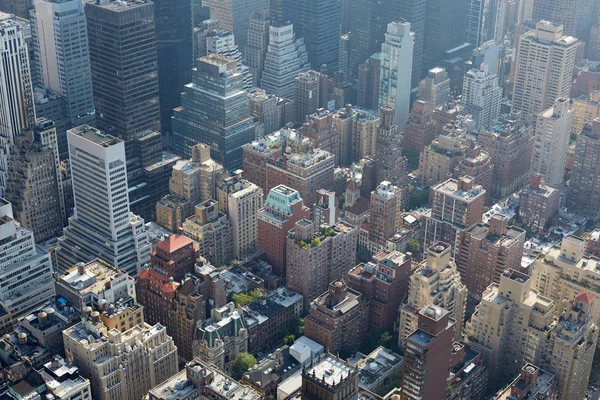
{"x": 583, "y": 186}
{"x": 539, "y": 204}
{"x": 439, "y": 159}
{"x": 532, "y": 382}
{"x": 385, "y": 208}
{"x": 478, "y": 164}
{"x": 419, "y": 131}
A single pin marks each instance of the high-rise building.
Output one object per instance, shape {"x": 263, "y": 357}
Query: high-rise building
{"x": 552, "y": 133}
{"x": 312, "y": 94}
{"x": 369, "y": 73}
{"x": 571, "y": 347}
{"x": 364, "y": 134}
{"x": 384, "y": 283}
{"x": 192, "y": 182}
{"x": 340, "y": 381}
{"x": 486, "y": 251}
{"x": 384, "y": 219}
{"x": 510, "y": 325}
{"x": 319, "y": 127}
{"x": 257, "y": 153}
{"x": 338, "y": 318}
{"x": 258, "y": 43}
{"x": 283, "y": 208}
{"x": 114, "y": 234}
{"x": 318, "y": 22}
{"x": 435, "y": 87}
{"x": 438, "y": 160}
{"x": 34, "y": 184}
{"x": 151, "y": 347}
{"x": 27, "y": 275}
{"x": 544, "y": 68}
{"x": 263, "y": 108}
{"x": 486, "y": 20}
{"x": 482, "y": 96}
{"x": 286, "y": 58}
{"x": 241, "y": 200}
{"x": 396, "y": 70}
{"x": 478, "y": 164}
{"x": 319, "y": 255}
{"x": 539, "y": 204}
{"x": 577, "y": 16}
{"x": 585, "y": 110}
{"x": 510, "y": 143}
{"x": 234, "y": 15}
{"x": 60, "y": 40}
{"x": 427, "y": 355}
{"x": 584, "y": 188}
{"x": 224, "y": 123}
{"x": 173, "y": 22}
{"x": 390, "y": 165}
{"x": 456, "y": 205}
{"x": 435, "y": 281}
{"x": 16, "y": 108}
{"x": 19, "y": 8}
{"x": 419, "y": 131}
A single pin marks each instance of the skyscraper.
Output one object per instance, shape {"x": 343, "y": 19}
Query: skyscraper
{"x": 173, "y": 22}
{"x": 384, "y": 219}
{"x": 390, "y": 165}
{"x": 318, "y": 22}
{"x": 577, "y": 16}
{"x": 486, "y": 21}
{"x": 234, "y": 15}
{"x": 61, "y": 49}
{"x": 215, "y": 111}
{"x": 16, "y": 106}
{"x": 435, "y": 87}
{"x": 584, "y": 187}
{"x": 544, "y": 67}
{"x": 103, "y": 225}
{"x": 396, "y": 70}
{"x": 258, "y": 43}
{"x": 482, "y": 96}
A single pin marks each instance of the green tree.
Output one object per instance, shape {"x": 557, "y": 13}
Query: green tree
{"x": 297, "y": 326}
{"x": 413, "y": 246}
{"x": 242, "y": 363}
{"x": 385, "y": 339}
{"x": 289, "y": 339}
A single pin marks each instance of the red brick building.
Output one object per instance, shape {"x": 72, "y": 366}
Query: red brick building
{"x": 175, "y": 256}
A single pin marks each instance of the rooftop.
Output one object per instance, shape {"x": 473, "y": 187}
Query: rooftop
{"x": 95, "y": 136}
{"x": 174, "y": 243}
{"x": 330, "y": 369}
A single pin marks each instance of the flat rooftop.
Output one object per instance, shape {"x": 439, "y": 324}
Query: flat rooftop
{"x": 330, "y": 369}
{"x": 95, "y": 136}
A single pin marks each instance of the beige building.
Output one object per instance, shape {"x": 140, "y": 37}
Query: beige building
{"x": 510, "y": 326}
{"x": 385, "y": 210}
{"x": 436, "y": 281}
{"x": 545, "y": 59}
{"x": 585, "y": 110}
{"x": 241, "y": 200}
{"x": 364, "y": 134}
{"x": 120, "y": 365}
{"x": 438, "y": 160}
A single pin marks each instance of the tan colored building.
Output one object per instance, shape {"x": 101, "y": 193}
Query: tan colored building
{"x": 486, "y": 251}
{"x": 338, "y": 318}
{"x": 364, "y": 134}
{"x": 438, "y": 160}
{"x": 120, "y": 365}
{"x": 320, "y": 128}
{"x": 585, "y": 110}
{"x": 539, "y": 204}
{"x": 344, "y": 121}
{"x": 584, "y": 187}
{"x": 257, "y": 153}
{"x": 510, "y": 326}
{"x": 478, "y": 164}
{"x": 385, "y": 211}
{"x": 436, "y": 281}
{"x": 419, "y": 131}
{"x": 531, "y": 383}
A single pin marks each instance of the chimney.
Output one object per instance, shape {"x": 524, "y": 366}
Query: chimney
{"x": 535, "y": 181}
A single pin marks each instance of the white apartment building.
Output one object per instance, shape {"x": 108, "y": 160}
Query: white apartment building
{"x": 482, "y": 96}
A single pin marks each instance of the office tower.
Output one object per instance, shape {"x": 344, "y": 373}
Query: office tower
{"x": 333, "y": 328}
{"x": 173, "y": 21}
{"x": 486, "y": 251}
{"x": 456, "y": 205}
{"x": 241, "y": 200}
{"x": 438, "y": 160}
{"x": 384, "y": 283}
{"x": 217, "y": 87}
{"x": 343, "y": 121}
{"x": 53, "y": 107}
{"x": 434, "y": 281}
{"x": 583, "y": 187}
{"x": 477, "y": 163}
{"x": 16, "y": 109}
{"x": 419, "y": 131}
{"x": 384, "y": 218}
{"x": 258, "y": 43}
{"x": 576, "y": 16}
{"x": 544, "y": 66}
{"x": 286, "y": 58}
{"x": 510, "y": 325}
{"x": 318, "y": 22}
{"x": 552, "y": 132}
{"x": 482, "y": 96}
{"x": 364, "y": 134}
{"x": 341, "y": 381}
{"x": 389, "y": 164}
{"x": 263, "y": 108}
{"x": 427, "y": 353}
{"x": 312, "y": 93}
{"x": 211, "y": 229}
{"x": 319, "y": 255}
{"x": 34, "y": 184}
{"x": 445, "y": 29}
{"x": 510, "y": 143}
{"x": 435, "y": 87}
{"x": 126, "y": 82}
{"x": 192, "y": 181}
{"x": 319, "y": 127}
{"x": 283, "y": 208}
{"x": 571, "y": 347}
{"x": 27, "y": 275}
{"x": 539, "y": 204}
{"x": 17, "y": 7}
{"x": 531, "y": 382}
{"x": 396, "y": 70}
{"x": 305, "y": 171}
{"x": 208, "y": 27}
{"x": 152, "y": 349}
{"x": 593, "y": 47}
{"x": 486, "y": 20}
{"x": 61, "y": 49}
{"x": 115, "y": 235}
{"x": 234, "y": 15}
{"x": 369, "y": 73}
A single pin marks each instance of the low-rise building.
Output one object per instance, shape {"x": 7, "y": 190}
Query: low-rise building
{"x": 531, "y": 383}
{"x": 468, "y": 374}
{"x": 377, "y": 369}
{"x": 265, "y": 376}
